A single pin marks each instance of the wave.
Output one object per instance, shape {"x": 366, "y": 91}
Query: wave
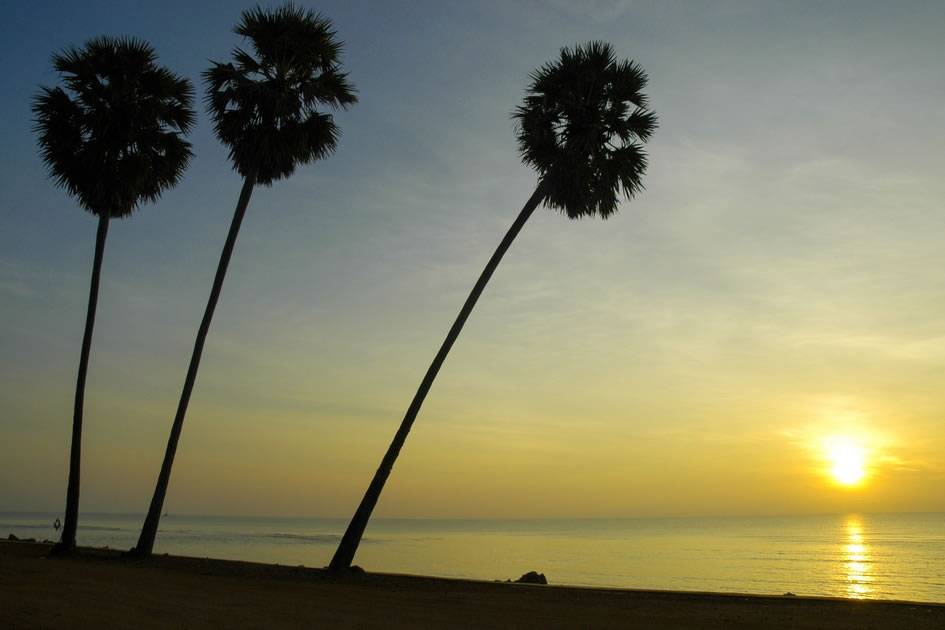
{"x": 303, "y": 538}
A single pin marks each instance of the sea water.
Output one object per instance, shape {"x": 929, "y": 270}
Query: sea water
{"x": 881, "y": 556}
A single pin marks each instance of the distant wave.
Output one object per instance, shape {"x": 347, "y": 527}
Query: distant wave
{"x": 83, "y": 528}
{"x": 100, "y": 528}
{"x": 303, "y": 538}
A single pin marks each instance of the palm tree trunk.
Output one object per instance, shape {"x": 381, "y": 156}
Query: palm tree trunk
{"x": 149, "y": 531}
{"x": 344, "y": 555}
{"x": 66, "y": 544}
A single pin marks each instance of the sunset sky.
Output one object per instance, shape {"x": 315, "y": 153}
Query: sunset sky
{"x": 776, "y": 291}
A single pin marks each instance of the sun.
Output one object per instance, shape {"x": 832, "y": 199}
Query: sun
{"x": 847, "y": 460}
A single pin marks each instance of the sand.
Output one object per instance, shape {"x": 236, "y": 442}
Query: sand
{"x": 99, "y": 589}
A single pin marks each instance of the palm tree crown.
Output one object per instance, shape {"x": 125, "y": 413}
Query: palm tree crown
{"x": 264, "y": 107}
{"x": 112, "y": 137}
{"x": 580, "y": 126}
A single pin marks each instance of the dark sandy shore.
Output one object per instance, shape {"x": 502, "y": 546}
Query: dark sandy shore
{"x": 98, "y": 589}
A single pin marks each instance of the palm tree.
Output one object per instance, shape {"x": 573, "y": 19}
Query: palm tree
{"x": 264, "y": 109}
{"x": 580, "y": 127}
{"x": 112, "y": 138}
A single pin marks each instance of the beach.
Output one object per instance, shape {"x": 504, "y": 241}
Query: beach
{"x": 100, "y": 589}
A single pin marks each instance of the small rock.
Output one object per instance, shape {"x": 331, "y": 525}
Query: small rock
{"x": 532, "y": 577}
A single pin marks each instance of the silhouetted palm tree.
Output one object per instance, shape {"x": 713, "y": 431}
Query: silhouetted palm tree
{"x": 264, "y": 109}
{"x": 580, "y": 127}
{"x": 112, "y": 138}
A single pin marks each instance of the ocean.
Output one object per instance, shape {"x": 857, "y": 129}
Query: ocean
{"x": 875, "y": 556}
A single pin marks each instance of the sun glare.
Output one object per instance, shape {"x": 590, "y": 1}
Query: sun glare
{"x": 847, "y": 461}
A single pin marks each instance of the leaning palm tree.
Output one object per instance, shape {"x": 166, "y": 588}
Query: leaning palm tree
{"x": 580, "y": 127}
{"x": 112, "y": 138}
{"x": 264, "y": 109}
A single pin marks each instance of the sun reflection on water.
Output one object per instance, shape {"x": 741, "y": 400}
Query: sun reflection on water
{"x": 857, "y": 562}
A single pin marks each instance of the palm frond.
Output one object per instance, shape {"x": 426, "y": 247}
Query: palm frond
{"x": 112, "y": 134}
{"x": 581, "y": 126}
{"x": 265, "y": 106}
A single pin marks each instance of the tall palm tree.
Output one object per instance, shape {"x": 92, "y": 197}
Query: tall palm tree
{"x": 112, "y": 138}
{"x": 264, "y": 109}
{"x": 581, "y": 127}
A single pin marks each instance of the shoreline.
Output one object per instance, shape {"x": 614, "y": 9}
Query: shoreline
{"x": 887, "y": 556}
{"x": 99, "y": 588}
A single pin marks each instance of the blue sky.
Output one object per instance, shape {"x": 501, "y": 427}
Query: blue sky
{"x": 779, "y": 281}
